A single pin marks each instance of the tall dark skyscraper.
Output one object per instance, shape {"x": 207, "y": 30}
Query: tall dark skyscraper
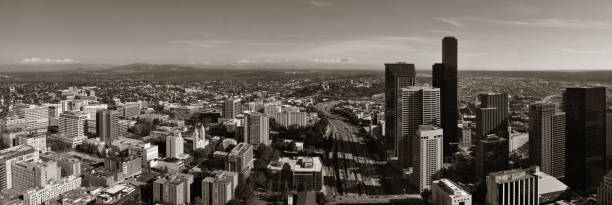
{"x": 445, "y": 78}
{"x": 492, "y": 115}
{"x": 491, "y": 155}
{"x": 547, "y": 139}
{"x": 585, "y": 136}
{"x": 397, "y": 76}
{"x": 609, "y": 137}
{"x": 107, "y": 125}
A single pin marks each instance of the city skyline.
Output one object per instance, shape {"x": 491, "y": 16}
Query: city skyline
{"x": 546, "y": 35}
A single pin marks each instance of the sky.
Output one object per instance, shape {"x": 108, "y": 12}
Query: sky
{"x": 492, "y": 34}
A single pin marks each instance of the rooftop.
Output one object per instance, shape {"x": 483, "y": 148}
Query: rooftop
{"x": 510, "y": 175}
{"x": 301, "y": 164}
{"x": 451, "y": 188}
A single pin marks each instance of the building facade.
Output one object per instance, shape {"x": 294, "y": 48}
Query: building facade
{"x": 107, "y": 126}
{"x": 240, "y": 159}
{"x": 428, "y": 157}
{"x": 444, "y": 76}
{"x": 492, "y": 115}
{"x": 256, "y": 129}
{"x": 417, "y": 106}
{"x": 547, "y": 139}
{"x": 447, "y": 192}
{"x": 72, "y": 124}
{"x": 173, "y": 189}
{"x": 515, "y": 186}
{"x": 491, "y": 155}
{"x": 220, "y": 189}
{"x": 397, "y": 76}
{"x": 174, "y": 146}
{"x": 585, "y": 122}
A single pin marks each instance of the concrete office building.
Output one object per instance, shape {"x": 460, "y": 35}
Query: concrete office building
{"x": 220, "y": 189}
{"x": 604, "y": 192}
{"x": 256, "y": 129}
{"x": 38, "y": 142}
{"x": 305, "y": 171}
{"x": 418, "y": 106}
{"x": 509, "y": 187}
{"x": 40, "y": 195}
{"x": 288, "y": 119}
{"x": 428, "y": 156}
{"x": 492, "y": 115}
{"x": 10, "y": 155}
{"x": 129, "y": 110}
{"x": 91, "y": 109}
{"x": 173, "y": 189}
{"x": 34, "y": 173}
{"x": 491, "y": 155}
{"x": 107, "y": 126}
{"x": 240, "y": 159}
{"x": 547, "y": 139}
{"x": 174, "y": 146}
{"x": 447, "y": 192}
{"x": 36, "y": 117}
{"x": 231, "y": 108}
{"x": 72, "y": 124}
{"x": 69, "y": 165}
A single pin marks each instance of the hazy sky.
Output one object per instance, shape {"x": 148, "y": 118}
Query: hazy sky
{"x": 493, "y": 34}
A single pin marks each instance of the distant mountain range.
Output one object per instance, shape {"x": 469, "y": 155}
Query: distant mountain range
{"x": 258, "y": 71}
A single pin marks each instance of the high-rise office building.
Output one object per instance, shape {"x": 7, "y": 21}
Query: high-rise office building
{"x": 38, "y": 142}
{"x": 609, "y": 137}
{"x": 36, "y": 117}
{"x": 449, "y": 51}
{"x": 174, "y": 146}
{"x": 41, "y": 195}
{"x": 272, "y": 109}
{"x": 306, "y": 172}
{"x": 256, "y": 129}
{"x": 465, "y": 136}
{"x": 444, "y": 76}
{"x": 107, "y": 126}
{"x": 231, "y": 108}
{"x": 492, "y": 115}
{"x": 547, "y": 139}
{"x": 604, "y": 192}
{"x": 397, "y": 76}
{"x": 10, "y": 155}
{"x": 447, "y": 192}
{"x": 34, "y": 173}
{"x": 428, "y": 156}
{"x": 585, "y": 121}
{"x": 417, "y": 106}
{"x": 129, "y": 110}
{"x": 287, "y": 119}
{"x": 491, "y": 155}
{"x": 72, "y": 124}
{"x": 510, "y": 187}
{"x": 220, "y": 189}
{"x": 91, "y": 109}
{"x": 174, "y": 189}
{"x": 240, "y": 159}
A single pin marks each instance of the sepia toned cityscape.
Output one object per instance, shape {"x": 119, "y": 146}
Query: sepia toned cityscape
{"x": 304, "y": 102}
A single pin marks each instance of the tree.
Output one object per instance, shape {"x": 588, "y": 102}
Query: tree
{"x": 244, "y": 191}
